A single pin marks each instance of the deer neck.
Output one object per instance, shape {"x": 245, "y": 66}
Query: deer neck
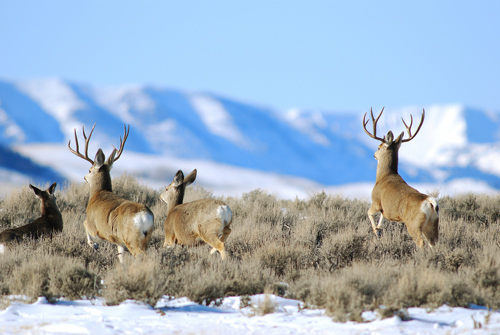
{"x": 176, "y": 200}
{"x": 49, "y": 208}
{"x": 387, "y": 164}
{"x": 101, "y": 182}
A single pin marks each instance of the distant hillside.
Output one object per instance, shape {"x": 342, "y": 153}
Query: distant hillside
{"x": 329, "y": 148}
{"x": 14, "y": 162}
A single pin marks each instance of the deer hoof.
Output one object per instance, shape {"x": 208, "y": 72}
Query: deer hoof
{"x": 378, "y": 232}
{"x": 95, "y": 246}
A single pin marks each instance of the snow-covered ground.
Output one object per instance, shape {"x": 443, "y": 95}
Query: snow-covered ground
{"x": 181, "y": 316}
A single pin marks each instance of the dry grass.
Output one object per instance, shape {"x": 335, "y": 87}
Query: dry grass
{"x": 321, "y": 251}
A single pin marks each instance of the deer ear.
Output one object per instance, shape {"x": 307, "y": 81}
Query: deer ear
{"x": 190, "y": 177}
{"x": 99, "y": 159}
{"x": 179, "y": 178}
{"x": 37, "y": 191}
{"x": 389, "y": 138}
{"x": 111, "y": 158}
{"x": 52, "y": 188}
{"x": 399, "y": 140}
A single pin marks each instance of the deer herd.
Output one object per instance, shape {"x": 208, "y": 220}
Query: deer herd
{"x": 130, "y": 224}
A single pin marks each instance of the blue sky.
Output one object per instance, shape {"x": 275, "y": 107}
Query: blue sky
{"x": 334, "y": 55}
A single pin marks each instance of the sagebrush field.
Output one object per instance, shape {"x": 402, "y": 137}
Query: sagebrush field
{"x": 321, "y": 251}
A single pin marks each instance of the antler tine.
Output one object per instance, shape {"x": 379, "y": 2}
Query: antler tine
{"x": 87, "y": 141}
{"x": 374, "y": 121}
{"x": 77, "y": 151}
{"x": 122, "y": 142}
{"x": 411, "y": 123}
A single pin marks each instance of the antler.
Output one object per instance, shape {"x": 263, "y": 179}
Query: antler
{"x": 77, "y": 151}
{"x": 374, "y": 121}
{"x": 410, "y": 136}
{"x": 122, "y": 142}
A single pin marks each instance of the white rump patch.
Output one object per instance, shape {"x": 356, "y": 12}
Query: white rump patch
{"x": 225, "y": 215}
{"x": 430, "y": 207}
{"x": 2, "y": 249}
{"x": 144, "y": 221}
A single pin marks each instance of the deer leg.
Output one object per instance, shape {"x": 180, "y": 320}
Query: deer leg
{"x": 379, "y": 225}
{"x": 90, "y": 241}
{"x": 371, "y": 215}
{"x": 212, "y": 238}
{"x": 121, "y": 251}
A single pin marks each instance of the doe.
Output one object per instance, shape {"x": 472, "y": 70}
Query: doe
{"x": 191, "y": 223}
{"x": 50, "y": 222}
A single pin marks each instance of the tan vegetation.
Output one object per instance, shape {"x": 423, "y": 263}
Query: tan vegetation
{"x": 321, "y": 251}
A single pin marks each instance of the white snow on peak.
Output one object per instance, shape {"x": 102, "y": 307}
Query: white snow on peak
{"x": 122, "y": 100}
{"x": 12, "y": 130}
{"x": 217, "y": 119}
{"x": 55, "y": 97}
{"x": 308, "y": 125}
{"x": 443, "y": 132}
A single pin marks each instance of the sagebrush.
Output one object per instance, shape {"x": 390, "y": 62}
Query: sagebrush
{"x": 320, "y": 251}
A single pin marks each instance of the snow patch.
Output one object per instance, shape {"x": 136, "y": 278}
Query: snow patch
{"x": 308, "y": 125}
{"x": 12, "y": 130}
{"x": 182, "y": 316}
{"x": 120, "y": 101}
{"x": 55, "y": 97}
{"x": 217, "y": 119}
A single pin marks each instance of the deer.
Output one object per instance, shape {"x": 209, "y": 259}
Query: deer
{"x": 117, "y": 220}
{"x": 392, "y": 197}
{"x": 192, "y": 223}
{"x": 47, "y": 224}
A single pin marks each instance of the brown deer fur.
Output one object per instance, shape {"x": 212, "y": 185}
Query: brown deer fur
{"x": 110, "y": 217}
{"x": 394, "y": 199}
{"x": 189, "y": 224}
{"x": 49, "y": 222}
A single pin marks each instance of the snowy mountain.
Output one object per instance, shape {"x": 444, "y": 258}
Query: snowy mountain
{"x": 172, "y": 129}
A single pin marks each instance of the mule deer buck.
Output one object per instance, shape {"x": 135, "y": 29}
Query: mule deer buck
{"x": 114, "y": 219}
{"x": 50, "y": 222}
{"x": 189, "y": 224}
{"x": 392, "y": 197}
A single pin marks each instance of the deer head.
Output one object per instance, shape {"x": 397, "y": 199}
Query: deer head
{"x": 387, "y": 152}
{"x": 47, "y": 197}
{"x": 99, "y": 174}
{"x": 174, "y": 193}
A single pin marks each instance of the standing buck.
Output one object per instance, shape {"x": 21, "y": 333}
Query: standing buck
{"x": 51, "y": 220}
{"x": 189, "y": 224}
{"x": 117, "y": 220}
{"x": 393, "y": 198}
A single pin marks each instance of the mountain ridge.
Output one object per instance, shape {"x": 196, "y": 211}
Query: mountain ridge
{"x": 327, "y": 147}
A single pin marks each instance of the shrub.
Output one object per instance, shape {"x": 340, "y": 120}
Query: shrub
{"x": 320, "y": 250}
{"x": 139, "y": 279}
